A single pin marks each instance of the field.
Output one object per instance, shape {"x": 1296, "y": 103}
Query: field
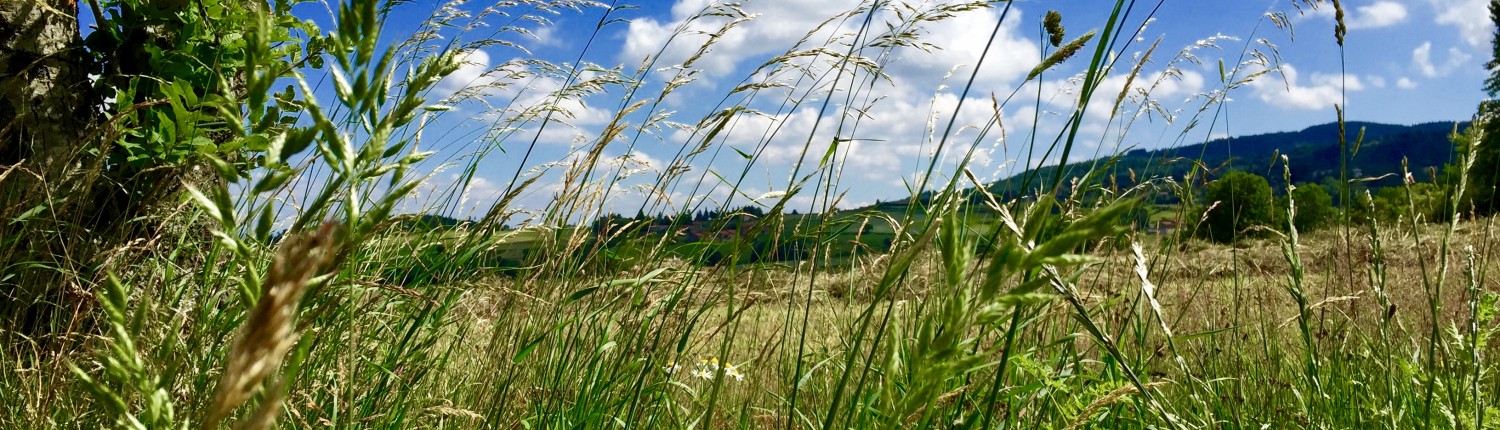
{"x": 292, "y": 257}
{"x": 1235, "y": 352}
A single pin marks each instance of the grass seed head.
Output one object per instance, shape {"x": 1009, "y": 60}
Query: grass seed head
{"x": 270, "y": 330}
{"x": 1055, "y": 30}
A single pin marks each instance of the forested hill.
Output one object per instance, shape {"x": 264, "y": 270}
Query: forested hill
{"x": 1313, "y": 152}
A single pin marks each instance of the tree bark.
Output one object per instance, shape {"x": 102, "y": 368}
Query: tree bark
{"x": 46, "y": 103}
{"x": 47, "y": 106}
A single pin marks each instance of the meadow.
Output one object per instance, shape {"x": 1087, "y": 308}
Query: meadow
{"x": 294, "y": 282}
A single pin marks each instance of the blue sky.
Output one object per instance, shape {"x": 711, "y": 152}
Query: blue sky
{"x": 1405, "y": 62}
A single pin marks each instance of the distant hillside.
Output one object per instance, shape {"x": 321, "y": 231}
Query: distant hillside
{"x": 1313, "y": 153}
{"x": 424, "y": 222}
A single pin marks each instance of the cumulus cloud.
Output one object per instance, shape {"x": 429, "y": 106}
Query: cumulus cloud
{"x": 776, "y": 25}
{"x": 1384, "y": 13}
{"x": 471, "y": 72}
{"x": 1379, "y": 14}
{"x": 1470, "y": 17}
{"x": 895, "y": 138}
{"x": 437, "y": 194}
{"x": 898, "y": 120}
{"x": 879, "y": 133}
{"x": 546, "y": 35}
{"x": 1421, "y": 59}
{"x": 1318, "y": 91}
{"x": 688, "y": 31}
{"x": 1406, "y": 83}
{"x": 1149, "y": 93}
{"x": 962, "y": 40}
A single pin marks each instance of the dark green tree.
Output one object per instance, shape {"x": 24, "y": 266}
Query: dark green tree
{"x": 1486, "y": 169}
{"x": 1314, "y": 207}
{"x": 1236, "y": 202}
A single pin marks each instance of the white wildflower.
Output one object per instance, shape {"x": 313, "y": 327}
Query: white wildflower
{"x": 733, "y": 371}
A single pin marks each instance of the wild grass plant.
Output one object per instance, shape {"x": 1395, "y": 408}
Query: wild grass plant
{"x": 1030, "y": 308}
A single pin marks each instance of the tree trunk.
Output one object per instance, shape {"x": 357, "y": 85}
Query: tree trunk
{"x": 45, "y": 98}
{"x": 70, "y": 212}
{"x": 47, "y": 107}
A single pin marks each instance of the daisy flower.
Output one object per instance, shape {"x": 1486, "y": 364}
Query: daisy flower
{"x": 733, "y": 371}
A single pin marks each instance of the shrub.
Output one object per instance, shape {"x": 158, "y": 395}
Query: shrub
{"x": 1314, "y": 207}
{"x": 1243, "y": 201}
{"x": 1427, "y": 201}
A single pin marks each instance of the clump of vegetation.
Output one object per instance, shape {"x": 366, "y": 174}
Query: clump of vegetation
{"x": 1315, "y": 209}
{"x": 1238, "y": 202}
{"x": 284, "y": 259}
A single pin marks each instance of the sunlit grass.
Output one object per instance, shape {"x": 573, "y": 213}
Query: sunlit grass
{"x": 963, "y": 308}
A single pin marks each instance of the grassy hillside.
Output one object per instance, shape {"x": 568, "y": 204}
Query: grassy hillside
{"x": 1314, "y": 155}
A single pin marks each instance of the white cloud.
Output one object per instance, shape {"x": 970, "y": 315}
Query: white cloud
{"x": 898, "y": 119}
{"x": 471, "y": 73}
{"x": 436, "y": 192}
{"x": 1319, "y": 91}
{"x": 1406, "y": 83}
{"x": 1379, "y": 14}
{"x": 514, "y": 100}
{"x": 1383, "y": 13}
{"x": 778, "y": 24}
{"x": 887, "y": 129}
{"x": 1375, "y": 81}
{"x": 1146, "y": 93}
{"x": 546, "y": 36}
{"x": 1470, "y": 17}
{"x": 1421, "y": 59}
{"x": 962, "y": 40}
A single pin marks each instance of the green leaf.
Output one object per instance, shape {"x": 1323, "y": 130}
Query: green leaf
{"x": 1069, "y": 260}
{"x": 256, "y": 143}
{"x": 273, "y": 180}
{"x": 580, "y": 294}
{"x": 1187, "y": 337}
{"x": 1029, "y": 298}
{"x": 263, "y": 225}
{"x": 28, "y": 214}
{"x": 223, "y": 168}
{"x": 204, "y": 202}
{"x": 296, "y": 142}
{"x": 527, "y": 349}
{"x": 833, "y": 148}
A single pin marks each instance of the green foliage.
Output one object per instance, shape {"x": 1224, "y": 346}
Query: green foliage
{"x": 1237, "y": 203}
{"x": 126, "y": 388}
{"x": 164, "y": 75}
{"x": 1314, "y": 208}
{"x": 171, "y": 66}
{"x": 1483, "y": 193}
{"x": 1484, "y": 175}
{"x": 1428, "y": 202}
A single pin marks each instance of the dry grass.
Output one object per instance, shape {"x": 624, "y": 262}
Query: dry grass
{"x": 271, "y": 330}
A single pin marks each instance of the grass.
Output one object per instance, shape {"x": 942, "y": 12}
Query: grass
{"x": 959, "y": 311}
